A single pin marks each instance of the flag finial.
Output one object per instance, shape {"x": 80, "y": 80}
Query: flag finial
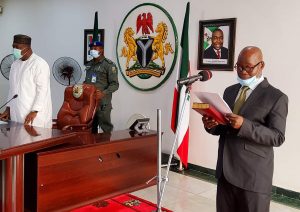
{"x": 96, "y": 30}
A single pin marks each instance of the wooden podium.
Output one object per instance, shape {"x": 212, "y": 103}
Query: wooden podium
{"x": 63, "y": 171}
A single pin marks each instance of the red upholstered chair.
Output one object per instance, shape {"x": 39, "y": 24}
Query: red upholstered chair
{"x": 78, "y": 109}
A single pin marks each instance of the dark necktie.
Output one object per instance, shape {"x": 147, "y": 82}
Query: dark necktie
{"x": 218, "y": 54}
{"x": 240, "y": 101}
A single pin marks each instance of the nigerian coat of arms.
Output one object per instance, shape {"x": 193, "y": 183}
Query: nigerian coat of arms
{"x": 147, "y": 46}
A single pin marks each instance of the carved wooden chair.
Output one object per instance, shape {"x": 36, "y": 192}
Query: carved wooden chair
{"x": 78, "y": 109}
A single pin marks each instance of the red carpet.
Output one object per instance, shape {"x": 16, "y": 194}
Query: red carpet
{"x": 123, "y": 203}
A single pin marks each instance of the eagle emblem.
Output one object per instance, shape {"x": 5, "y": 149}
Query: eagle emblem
{"x": 147, "y": 51}
{"x": 144, "y": 21}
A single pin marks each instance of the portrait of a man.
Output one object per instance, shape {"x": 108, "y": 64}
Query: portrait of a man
{"x": 216, "y": 44}
{"x": 216, "y": 49}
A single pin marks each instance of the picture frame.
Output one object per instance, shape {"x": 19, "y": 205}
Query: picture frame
{"x": 88, "y": 38}
{"x": 216, "y": 44}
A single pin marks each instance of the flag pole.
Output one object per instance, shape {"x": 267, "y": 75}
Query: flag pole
{"x": 166, "y": 179}
{"x": 159, "y": 176}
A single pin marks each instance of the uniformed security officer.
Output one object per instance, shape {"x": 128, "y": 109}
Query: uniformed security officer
{"x": 103, "y": 74}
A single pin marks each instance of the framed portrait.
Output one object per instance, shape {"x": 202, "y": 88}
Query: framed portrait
{"x": 216, "y": 44}
{"x": 88, "y": 38}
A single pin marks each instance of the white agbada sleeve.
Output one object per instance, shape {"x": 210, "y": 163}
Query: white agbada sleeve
{"x": 42, "y": 84}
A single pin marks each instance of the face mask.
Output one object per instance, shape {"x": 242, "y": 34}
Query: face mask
{"x": 94, "y": 53}
{"x": 17, "y": 53}
{"x": 248, "y": 82}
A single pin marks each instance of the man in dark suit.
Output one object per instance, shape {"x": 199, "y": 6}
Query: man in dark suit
{"x": 245, "y": 157}
{"x": 216, "y": 50}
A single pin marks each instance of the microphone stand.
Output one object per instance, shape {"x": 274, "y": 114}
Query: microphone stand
{"x": 15, "y": 96}
{"x": 161, "y": 184}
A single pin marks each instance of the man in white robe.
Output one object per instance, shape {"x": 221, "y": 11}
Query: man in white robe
{"x": 29, "y": 78}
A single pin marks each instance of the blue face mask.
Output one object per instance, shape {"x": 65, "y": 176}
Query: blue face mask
{"x": 248, "y": 82}
{"x": 17, "y": 53}
{"x": 94, "y": 53}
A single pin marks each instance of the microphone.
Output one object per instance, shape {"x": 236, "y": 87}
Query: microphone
{"x": 15, "y": 96}
{"x": 201, "y": 76}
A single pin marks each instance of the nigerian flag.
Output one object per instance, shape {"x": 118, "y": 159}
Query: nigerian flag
{"x": 179, "y": 94}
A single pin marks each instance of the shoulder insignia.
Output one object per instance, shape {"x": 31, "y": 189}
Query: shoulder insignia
{"x": 114, "y": 69}
{"x": 88, "y": 65}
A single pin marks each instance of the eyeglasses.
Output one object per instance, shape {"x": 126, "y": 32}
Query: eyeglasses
{"x": 248, "y": 69}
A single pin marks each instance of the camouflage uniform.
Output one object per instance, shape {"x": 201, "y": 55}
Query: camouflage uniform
{"x": 104, "y": 75}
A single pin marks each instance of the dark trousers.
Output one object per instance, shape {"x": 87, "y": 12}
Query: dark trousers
{"x": 233, "y": 199}
{"x": 102, "y": 119}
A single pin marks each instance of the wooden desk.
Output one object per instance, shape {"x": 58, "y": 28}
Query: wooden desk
{"x": 102, "y": 166}
{"x": 73, "y": 169}
{"x": 15, "y": 141}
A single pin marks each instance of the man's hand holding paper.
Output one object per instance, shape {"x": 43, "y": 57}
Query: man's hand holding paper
{"x": 217, "y": 102}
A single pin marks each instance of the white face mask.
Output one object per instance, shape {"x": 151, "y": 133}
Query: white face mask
{"x": 17, "y": 53}
{"x": 248, "y": 82}
{"x": 94, "y": 53}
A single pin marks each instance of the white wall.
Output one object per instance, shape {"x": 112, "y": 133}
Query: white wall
{"x": 57, "y": 30}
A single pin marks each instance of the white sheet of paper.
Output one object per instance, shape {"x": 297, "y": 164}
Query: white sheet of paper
{"x": 215, "y": 100}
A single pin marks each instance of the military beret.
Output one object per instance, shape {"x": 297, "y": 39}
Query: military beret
{"x": 22, "y": 39}
{"x": 96, "y": 43}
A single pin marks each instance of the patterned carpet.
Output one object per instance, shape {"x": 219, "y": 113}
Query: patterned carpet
{"x": 122, "y": 203}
